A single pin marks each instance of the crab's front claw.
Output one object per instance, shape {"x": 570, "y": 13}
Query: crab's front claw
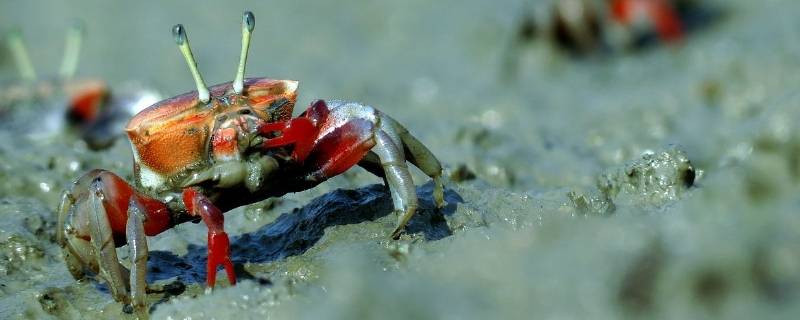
{"x": 218, "y": 242}
{"x": 299, "y": 132}
{"x": 219, "y": 254}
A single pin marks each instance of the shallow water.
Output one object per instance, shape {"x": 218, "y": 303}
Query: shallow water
{"x": 582, "y": 205}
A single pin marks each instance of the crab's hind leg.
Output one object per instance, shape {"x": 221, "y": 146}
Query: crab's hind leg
{"x": 419, "y": 155}
{"x": 372, "y": 164}
{"x": 401, "y": 185}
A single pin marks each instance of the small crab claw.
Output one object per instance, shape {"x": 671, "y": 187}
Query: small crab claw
{"x": 218, "y": 242}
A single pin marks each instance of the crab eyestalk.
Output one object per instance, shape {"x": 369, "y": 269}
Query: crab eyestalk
{"x": 72, "y": 50}
{"x": 248, "y": 24}
{"x": 21, "y": 57}
{"x": 183, "y": 43}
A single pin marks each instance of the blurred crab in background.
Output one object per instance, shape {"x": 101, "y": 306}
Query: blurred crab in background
{"x": 204, "y": 152}
{"x": 580, "y": 27}
{"x": 86, "y": 107}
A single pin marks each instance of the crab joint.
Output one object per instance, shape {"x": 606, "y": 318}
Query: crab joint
{"x": 72, "y": 50}
{"x": 183, "y": 43}
{"x": 21, "y": 57}
{"x": 248, "y": 24}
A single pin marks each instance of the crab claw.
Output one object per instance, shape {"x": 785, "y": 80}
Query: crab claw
{"x": 218, "y": 242}
{"x": 219, "y": 254}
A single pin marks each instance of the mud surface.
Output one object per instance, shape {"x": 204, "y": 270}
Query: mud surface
{"x": 655, "y": 184}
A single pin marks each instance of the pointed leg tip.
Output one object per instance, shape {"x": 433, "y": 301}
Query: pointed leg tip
{"x": 219, "y": 254}
{"x": 229, "y": 270}
{"x": 439, "y": 201}
{"x": 211, "y": 278}
{"x": 438, "y": 192}
{"x": 397, "y": 233}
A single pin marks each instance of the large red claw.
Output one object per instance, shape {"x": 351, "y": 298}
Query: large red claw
{"x": 298, "y": 131}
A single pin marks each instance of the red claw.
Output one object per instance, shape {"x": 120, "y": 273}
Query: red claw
{"x": 219, "y": 254}
{"x": 218, "y": 242}
{"x": 298, "y": 131}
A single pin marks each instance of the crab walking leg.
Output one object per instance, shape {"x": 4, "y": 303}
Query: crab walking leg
{"x": 137, "y": 245}
{"x": 103, "y": 243}
{"x": 218, "y": 242}
{"x": 401, "y": 185}
{"x": 372, "y": 163}
{"x": 419, "y": 156}
{"x": 74, "y": 263}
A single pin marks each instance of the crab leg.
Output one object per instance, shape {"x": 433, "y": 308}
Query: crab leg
{"x": 401, "y": 185}
{"x": 372, "y": 164}
{"x": 103, "y": 243}
{"x": 419, "y": 156}
{"x": 218, "y": 242}
{"x": 99, "y": 213}
{"x": 74, "y": 264}
{"x": 137, "y": 245}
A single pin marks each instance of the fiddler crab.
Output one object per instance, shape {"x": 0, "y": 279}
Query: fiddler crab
{"x": 582, "y": 26}
{"x": 202, "y": 153}
{"x": 86, "y": 106}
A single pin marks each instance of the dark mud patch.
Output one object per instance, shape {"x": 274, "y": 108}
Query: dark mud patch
{"x": 295, "y": 232}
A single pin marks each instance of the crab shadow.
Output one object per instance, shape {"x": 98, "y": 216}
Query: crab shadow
{"x": 295, "y": 232}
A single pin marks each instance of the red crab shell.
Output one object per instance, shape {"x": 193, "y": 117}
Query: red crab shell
{"x": 172, "y": 135}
